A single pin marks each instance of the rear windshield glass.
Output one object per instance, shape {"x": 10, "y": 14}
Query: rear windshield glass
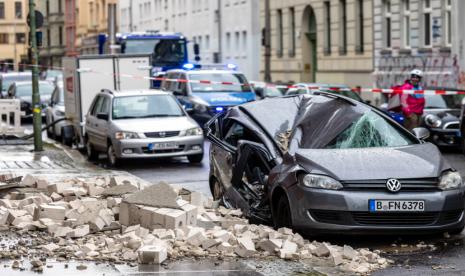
{"x": 238, "y": 83}
{"x": 45, "y": 89}
{"x": 370, "y": 130}
{"x": 151, "y": 106}
{"x": 8, "y": 80}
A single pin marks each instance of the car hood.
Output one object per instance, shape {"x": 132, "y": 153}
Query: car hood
{"x": 155, "y": 124}
{"x": 225, "y": 98}
{"x": 416, "y": 161}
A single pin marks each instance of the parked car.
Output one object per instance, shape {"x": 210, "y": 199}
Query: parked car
{"x": 23, "y": 90}
{"x": 6, "y": 79}
{"x": 56, "y": 111}
{"x": 325, "y": 163}
{"x": 306, "y": 88}
{"x": 265, "y": 90}
{"x": 141, "y": 124}
{"x": 442, "y": 117}
{"x": 210, "y": 92}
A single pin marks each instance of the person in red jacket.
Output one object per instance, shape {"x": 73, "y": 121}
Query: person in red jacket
{"x": 412, "y": 104}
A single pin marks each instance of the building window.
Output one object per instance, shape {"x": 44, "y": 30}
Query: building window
{"x": 228, "y": 42}
{"x": 342, "y": 27}
{"x": 327, "y": 13}
{"x": 291, "y": 32}
{"x": 406, "y": 23}
{"x": 387, "y": 23}
{"x": 60, "y": 8}
{"x": 60, "y": 35}
{"x": 427, "y": 35}
{"x": 279, "y": 28}
{"x": 207, "y": 42}
{"x": 21, "y": 38}
{"x": 360, "y": 36}
{"x": 448, "y": 23}
{"x": 244, "y": 41}
{"x": 2, "y": 10}
{"x": 3, "y": 38}
{"x": 18, "y": 10}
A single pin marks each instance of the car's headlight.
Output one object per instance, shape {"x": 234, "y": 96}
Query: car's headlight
{"x": 59, "y": 113}
{"x": 433, "y": 120}
{"x": 321, "y": 182}
{"x": 121, "y": 135}
{"x": 450, "y": 180}
{"x": 196, "y": 131}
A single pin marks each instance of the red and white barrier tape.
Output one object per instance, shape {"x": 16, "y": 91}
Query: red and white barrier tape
{"x": 335, "y": 89}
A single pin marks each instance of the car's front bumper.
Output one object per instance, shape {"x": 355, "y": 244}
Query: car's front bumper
{"x": 187, "y": 145}
{"x": 445, "y": 137}
{"x": 322, "y": 211}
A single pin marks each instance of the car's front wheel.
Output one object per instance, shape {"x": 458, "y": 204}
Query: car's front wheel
{"x": 282, "y": 217}
{"x": 196, "y": 159}
{"x": 113, "y": 160}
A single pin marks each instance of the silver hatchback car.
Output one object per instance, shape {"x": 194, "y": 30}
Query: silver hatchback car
{"x": 141, "y": 124}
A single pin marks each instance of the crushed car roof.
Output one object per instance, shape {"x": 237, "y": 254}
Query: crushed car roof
{"x": 313, "y": 113}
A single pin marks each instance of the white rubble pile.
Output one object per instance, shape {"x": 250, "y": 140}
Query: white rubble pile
{"x": 113, "y": 219}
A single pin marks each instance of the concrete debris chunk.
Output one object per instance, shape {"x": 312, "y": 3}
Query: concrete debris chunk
{"x": 120, "y": 190}
{"x": 52, "y": 212}
{"x": 58, "y": 188}
{"x": 3, "y": 215}
{"x": 270, "y": 245}
{"x": 196, "y": 236}
{"x": 152, "y": 254}
{"x": 160, "y": 195}
{"x": 50, "y": 247}
{"x": 80, "y": 231}
{"x": 321, "y": 250}
{"x": 175, "y": 219}
{"x": 245, "y": 248}
{"x": 28, "y": 181}
{"x": 56, "y": 197}
{"x": 349, "y": 253}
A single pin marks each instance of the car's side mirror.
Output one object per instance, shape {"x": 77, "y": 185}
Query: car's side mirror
{"x": 177, "y": 93}
{"x": 421, "y": 133}
{"x": 102, "y": 116}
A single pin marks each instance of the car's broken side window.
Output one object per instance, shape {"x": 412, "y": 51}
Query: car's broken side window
{"x": 370, "y": 130}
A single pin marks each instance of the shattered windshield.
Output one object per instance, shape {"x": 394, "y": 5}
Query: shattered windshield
{"x": 370, "y": 130}
{"x": 165, "y": 51}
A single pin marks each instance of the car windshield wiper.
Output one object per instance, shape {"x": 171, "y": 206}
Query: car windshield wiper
{"x": 436, "y": 107}
{"x": 127, "y": 117}
{"x": 160, "y": 115}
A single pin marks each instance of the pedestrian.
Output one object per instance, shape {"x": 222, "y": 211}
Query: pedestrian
{"x": 412, "y": 104}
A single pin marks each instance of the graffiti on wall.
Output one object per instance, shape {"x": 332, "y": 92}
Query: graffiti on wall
{"x": 441, "y": 71}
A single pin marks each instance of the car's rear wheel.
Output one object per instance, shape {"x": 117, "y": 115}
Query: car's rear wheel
{"x": 112, "y": 159}
{"x": 91, "y": 153}
{"x": 196, "y": 159}
{"x": 283, "y": 213}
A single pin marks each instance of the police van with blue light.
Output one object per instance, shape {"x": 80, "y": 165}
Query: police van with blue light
{"x": 205, "y": 90}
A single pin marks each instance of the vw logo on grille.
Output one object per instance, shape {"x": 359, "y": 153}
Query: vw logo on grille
{"x": 393, "y": 185}
{"x": 162, "y": 134}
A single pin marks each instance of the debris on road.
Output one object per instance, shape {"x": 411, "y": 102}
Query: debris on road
{"x": 115, "y": 219}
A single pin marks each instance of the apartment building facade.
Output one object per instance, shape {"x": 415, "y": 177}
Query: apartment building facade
{"x": 321, "y": 41}
{"x": 13, "y": 32}
{"x": 227, "y": 31}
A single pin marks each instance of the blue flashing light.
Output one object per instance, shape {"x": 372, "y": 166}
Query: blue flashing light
{"x": 188, "y": 66}
{"x": 219, "y": 109}
{"x": 231, "y": 66}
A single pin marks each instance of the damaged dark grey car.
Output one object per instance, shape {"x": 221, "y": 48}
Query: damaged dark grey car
{"x": 325, "y": 163}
